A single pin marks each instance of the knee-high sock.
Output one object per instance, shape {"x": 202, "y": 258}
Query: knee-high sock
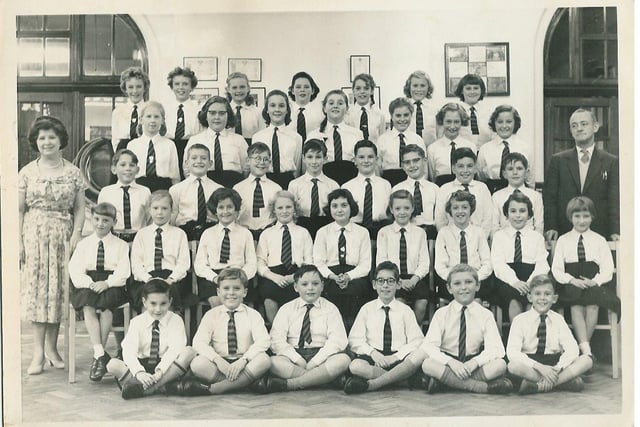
{"x": 450, "y": 379}
{"x": 398, "y": 373}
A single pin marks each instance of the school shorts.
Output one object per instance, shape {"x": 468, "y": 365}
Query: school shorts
{"x": 545, "y": 359}
{"x": 282, "y": 179}
{"x": 313, "y": 223}
{"x": 369, "y": 360}
{"x": 154, "y": 183}
{"x": 308, "y": 353}
{"x": 194, "y": 230}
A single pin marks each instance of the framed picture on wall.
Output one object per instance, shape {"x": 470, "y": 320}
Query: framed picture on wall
{"x": 376, "y": 96}
{"x": 359, "y": 64}
{"x": 205, "y": 67}
{"x": 489, "y": 60}
{"x": 252, "y": 67}
{"x": 201, "y": 94}
{"x": 258, "y": 94}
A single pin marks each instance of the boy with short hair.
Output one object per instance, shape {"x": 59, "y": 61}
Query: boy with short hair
{"x": 231, "y": 343}
{"x": 464, "y": 168}
{"x": 308, "y": 338}
{"x": 370, "y": 192}
{"x": 257, "y": 191}
{"x": 154, "y": 350}
{"x": 384, "y": 337}
{"x": 541, "y": 349}
{"x": 129, "y": 197}
{"x": 160, "y": 250}
{"x": 515, "y": 171}
{"x": 312, "y": 188}
{"x": 190, "y": 195}
{"x": 463, "y": 347}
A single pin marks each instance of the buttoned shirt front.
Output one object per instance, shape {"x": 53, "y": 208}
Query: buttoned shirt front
{"x": 138, "y": 198}
{"x": 596, "y": 249}
{"x": 233, "y": 148}
{"x": 121, "y": 121}
{"x": 500, "y": 197}
{"x": 166, "y": 157}
{"x": 533, "y": 248}
{"x": 190, "y": 109}
{"x": 380, "y": 191}
{"x": 388, "y": 248}
{"x": 175, "y": 252}
{"x": 185, "y": 198}
{"x": 349, "y": 136}
{"x": 389, "y": 147}
{"x": 269, "y": 249}
{"x": 490, "y": 157}
{"x": 483, "y": 215}
{"x": 375, "y": 119}
{"x": 429, "y": 193}
{"x": 289, "y": 145}
{"x": 439, "y": 154}
{"x": 302, "y": 188}
{"x": 325, "y": 249}
{"x": 246, "y": 189}
{"x": 116, "y": 259}
{"x": 448, "y": 250}
{"x": 252, "y": 120}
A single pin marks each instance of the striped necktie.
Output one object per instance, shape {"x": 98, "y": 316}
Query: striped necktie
{"x": 517, "y": 253}
{"x": 453, "y": 150}
{"x": 386, "y": 334}
{"x": 364, "y": 123}
{"x": 225, "y": 248}
{"x": 505, "y": 153}
{"x": 126, "y": 206}
{"x": 464, "y": 259}
{"x": 275, "y": 151}
{"x": 301, "y": 125}
{"x": 367, "y": 212}
{"x": 337, "y": 144}
{"x": 403, "y": 253}
{"x": 474, "y": 122}
{"x": 305, "y": 331}
{"x": 217, "y": 154}
{"x": 258, "y": 199}
{"x": 285, "y": 255}
{"x": 419, "y": 118}
{"x": 133, "y": 125}
{"x": 581, "y": 254}
{"x": 151, "y": 160}
{"x": 154, "y": 349}
{"x": 157, "y": 253}
{"x": 100, "y": 256}
{"x": 315, "y": 198}
{"x": 202, "y": 203}
{"x": 238, "y": 120}
{"x": 542, "y": 334}
{"x": 417, "y": 198}
{"x": 342, "y": 248}
{"x": 179, "y": 134}
{"x": 232, "y": 339}
{"x": 401, "y": 148}
{"x": 462, "y": 336}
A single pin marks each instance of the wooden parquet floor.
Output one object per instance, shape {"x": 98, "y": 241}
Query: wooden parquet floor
{"x": 49, "y": 398}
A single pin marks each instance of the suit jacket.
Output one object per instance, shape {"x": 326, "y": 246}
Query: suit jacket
{"x": 562, "y": 183}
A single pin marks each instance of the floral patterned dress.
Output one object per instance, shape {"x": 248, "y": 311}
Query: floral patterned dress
{"x": 47, "y": 225}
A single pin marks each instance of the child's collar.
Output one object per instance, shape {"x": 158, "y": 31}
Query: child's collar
{"x": 122, "y": 184}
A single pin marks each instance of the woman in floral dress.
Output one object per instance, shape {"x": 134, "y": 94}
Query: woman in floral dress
{"x": 51, "y": 212}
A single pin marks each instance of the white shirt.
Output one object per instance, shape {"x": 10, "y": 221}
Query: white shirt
{"x": 269, "y": 249}
{"x": 389, "y": 147}
{"x": 380, "y": 191}
{"x": 388, "y": 244}
{"x": 447, "y": 252}
{"x": 533, "y": 248}
{"x": 185, "y": 198}
{"x": 138, "y": 199}
{"x": 349, "y": 136}
{"x": 367, "y": 333}
{"x": 327, "y": 330}
{"x": 137, "y": 342}
{"x": 483, "y": 113}
{"x": 175, "y": 252}
{"x": 375, "y": 119}
{"x": 325, "y": 249}
{"x": 428, "y": 120}
{"x": 211, "y": 339}
{"x": 233, "y": 148}
{"x": 84, "y": 258}
{"x": 246, "y": 190}
{"x": 252, "y": 120}
{"x": 429, "y": 192}
{"x": 490, "y": 157}
{"x": 500, "y": 197}
{"x": 439, "y": 155}
{"x": 312, "y": 113}
{"x": 121, "y": 121}
{"x": 482, "y": 217}
{"x": 289, "y": 145}
{"x": 190, "y": 109}
{"x": 444, "y": 331}
{"x": 302, "y": 187}
{"x": 166, "y": 159}
{"x": 596, "y": 249}
{"x": 583, "y": 168}
{"x": 523, "y": 338}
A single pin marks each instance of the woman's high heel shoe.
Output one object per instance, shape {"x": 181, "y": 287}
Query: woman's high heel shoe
{"x": 58, "y": 364}
{"x": 35, "y": 369}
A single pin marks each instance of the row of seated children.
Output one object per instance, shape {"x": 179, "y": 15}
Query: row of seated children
{"x": 308, "y": 346}
{"x": 343, "y": 247}
{"x": 164, "y": 159}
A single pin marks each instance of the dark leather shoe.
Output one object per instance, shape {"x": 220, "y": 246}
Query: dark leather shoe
{"x": 419, "y": 381}
{"x": 576, "y": 385}
{"x": 340, "y": 381}
{"x": 500, "y": 386}
{"x": 99, "y": 367}
{"x": 356, "y": 385}
{"x": 192, "y": 387}
{"x": 434, "y": 386}
{"x": 260, "y": 386}
{"x": 528, "y": 387}
{"x": 132, "y": 390}
{"x": 276, "y": 385}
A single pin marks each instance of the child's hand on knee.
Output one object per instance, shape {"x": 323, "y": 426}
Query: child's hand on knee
{"x": 146, "y": 379}
{"x": 379, "y": 359}
{"x": 459, "y": 369}
{"x": 471, "y": 365}
{"x": 235, "y": 368}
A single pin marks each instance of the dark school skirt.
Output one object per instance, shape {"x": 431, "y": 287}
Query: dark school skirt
{"x": 353, "y": 297}
{"x": 375, "y": 227}
{"x": 419, "y": 292}
{"x": 485, "y": 293}
{"x": 370, "y": 361}
{"x": 126, "y": 235}
{"x": 340, "y": 171}
{"x": 180, "y": 144}
{"x": 313, "y": 223}
{"x": 194, "y": 230}
{"x": 226, "y": 178}
{"x": 496, "y": 184}
{"x": 208, "y": 289}
{"x": 268, "y": 289}
{"x": 123, "y": 143}
{"x": 155, "y": 183}
{"x": 443, "y": 179}
{"x": 180, "y": 292}
{"x": 603, "y": 296}
{"x": 431, "y": 230}
{"x": 505, "y": 293}
{"x": 110, "y": 299}
{"x": 394, "y": 176}
{"x": 282, "y": 179}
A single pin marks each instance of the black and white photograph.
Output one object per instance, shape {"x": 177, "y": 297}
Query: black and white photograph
{"x": 273, "y": 243}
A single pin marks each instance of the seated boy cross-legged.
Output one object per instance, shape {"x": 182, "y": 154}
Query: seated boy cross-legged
{"x": 384, "y": 337}
{"x": 456, "y": 337}
{"x": 231, "y": 343}
{"x": 308, "y": 339}
{"x": 541, "y": 348}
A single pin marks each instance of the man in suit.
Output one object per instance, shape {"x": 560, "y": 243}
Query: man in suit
{"x": 582, "y": 171}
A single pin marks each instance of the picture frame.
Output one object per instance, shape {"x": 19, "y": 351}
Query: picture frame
{"x": 252, "y": 67}
{"x": 359, "y": 64}
{"x": 259, "y": 95}
{"x": 201, "y": 94}
{"x": 205, "y": 67}
{"x": 489, "y": 60}
{"x": 376, "y": 95}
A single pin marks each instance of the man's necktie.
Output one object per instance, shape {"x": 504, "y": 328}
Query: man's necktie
{"x": 474, "y": 122}
{"x": 401, "y": 148}
{"x": 386, "y": 334}
{"x": 258, "y": 199}
{"x": 301, "y": 125}
{"x": 581, "y": 254}
{"x": 403, "y": 253}
{"x": 275, "y": 151}
{"x": 217, "y": 154}
{"x": 305, "y": 331}
{"x": 364, "y": 123}
{"x": 225, "y": 248}
{"x": 154, "y": 349}
{"x": 179, "y": 134}
{"x": 367, "y": 212}
{"x": 517, "y": 253}
{"x": 417, "y": 198}
{"x": 285, "y": 255}
{"x": 342, "y": 248}
{"x": 462, "y": 337}
{"x": 157, "y": 253}
{"x": 542, "y": 334}
{"x": 337, "y": 144}
{"x": 238, "y": 120}
{"x": 100, "y": 256}
{"x": 202, "y": 204}
{"x": 151, "y": 160}
{"x": 419, "y": 118}
{"x": 315, "y": 198}
{"x": 232, "y": 339}
{"x": 126, "y": 206}
{"x": 464, "y": 259}
{"x": 585, "y": 156}
{"x": 133, "y": 124}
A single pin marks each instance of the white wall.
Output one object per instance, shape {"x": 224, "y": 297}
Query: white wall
{"x": 321, "y": 43}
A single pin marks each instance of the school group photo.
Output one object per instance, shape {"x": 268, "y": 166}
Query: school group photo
{"x": 396, "y": 220}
